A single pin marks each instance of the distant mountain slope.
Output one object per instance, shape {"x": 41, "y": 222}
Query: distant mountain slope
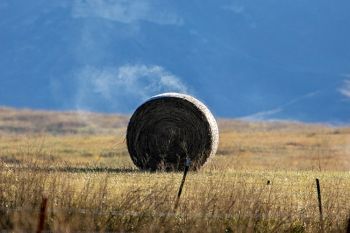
{"x": 27, "y": 121}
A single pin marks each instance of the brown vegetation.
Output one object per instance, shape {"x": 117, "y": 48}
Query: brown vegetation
{"x": 83, "y": 167}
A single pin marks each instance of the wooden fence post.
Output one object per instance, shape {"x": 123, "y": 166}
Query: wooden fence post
{"x": 42, "y": 215}
{"x": 187, "y": 167}
{"x": 320, "y": 204}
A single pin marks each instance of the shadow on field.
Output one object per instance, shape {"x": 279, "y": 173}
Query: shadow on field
{"x": 79, "y": 169}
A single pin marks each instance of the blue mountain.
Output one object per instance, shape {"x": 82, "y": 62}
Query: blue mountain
{"x": 254, "y": 60}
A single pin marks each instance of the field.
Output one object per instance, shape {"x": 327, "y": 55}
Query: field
{"x": 261, "y": 180}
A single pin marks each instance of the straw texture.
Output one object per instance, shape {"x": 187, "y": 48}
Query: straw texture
{"x": 169, "y": 127}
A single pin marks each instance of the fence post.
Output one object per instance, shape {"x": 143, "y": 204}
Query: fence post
{"x": 42, "y": 215}
{"x": 187, "y": 167}
{"x": 320, "y": 203}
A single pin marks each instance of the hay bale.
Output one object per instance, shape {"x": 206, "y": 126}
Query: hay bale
{"x": 169, "y": 127}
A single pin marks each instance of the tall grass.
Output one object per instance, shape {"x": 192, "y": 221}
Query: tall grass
{"x": 212, "y": 201}
{"x": 92, "y": 185}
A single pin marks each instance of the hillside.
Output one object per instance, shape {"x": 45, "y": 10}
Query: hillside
{"x": 99, "y": 140}
{"x": 27, "y": 121}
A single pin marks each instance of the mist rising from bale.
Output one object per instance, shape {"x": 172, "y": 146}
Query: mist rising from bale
{"x": 169, "y": 127}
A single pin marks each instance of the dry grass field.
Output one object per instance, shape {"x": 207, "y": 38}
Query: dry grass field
{"x": 261, "y": 180}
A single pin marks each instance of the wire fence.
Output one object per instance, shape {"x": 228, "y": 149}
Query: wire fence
{"x": 274, "y": 208}
{"x": 273, "y": 202}
{"x": 159, "y": 214}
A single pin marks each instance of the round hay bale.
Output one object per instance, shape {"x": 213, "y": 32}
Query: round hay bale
{"x": 167, "y": 129}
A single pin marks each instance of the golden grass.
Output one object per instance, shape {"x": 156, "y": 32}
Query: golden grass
{"x": 92, "y": 186}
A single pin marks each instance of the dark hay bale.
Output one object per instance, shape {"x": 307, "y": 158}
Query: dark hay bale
{"x": 169, "y": 127}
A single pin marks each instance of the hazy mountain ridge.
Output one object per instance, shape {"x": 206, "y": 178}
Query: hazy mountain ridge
{"x": 27, "y": 121}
